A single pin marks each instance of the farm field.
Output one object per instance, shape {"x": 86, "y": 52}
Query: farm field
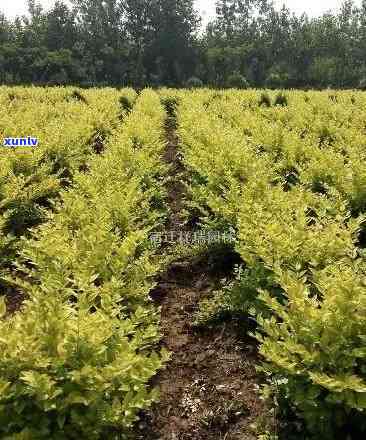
{"x": 183, "y": 264}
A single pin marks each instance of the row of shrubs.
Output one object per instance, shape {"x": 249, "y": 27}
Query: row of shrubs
{"x": 75, "y": 362}
{"x": 68, "y": 132}
{"x": 238, "y": 81}
{"x": 302, "y": 271}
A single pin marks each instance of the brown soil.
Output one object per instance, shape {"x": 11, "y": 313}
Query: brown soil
{"x": 13, "y": 298}
{"x": 14, "y": 303}
{"x": 209, "y": 389}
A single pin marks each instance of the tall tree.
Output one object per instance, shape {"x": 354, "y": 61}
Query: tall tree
{"x": 137, "y": 21}
{"x": 61, "y": 30}
{"x": 171, "y": 51}
{"x": 102, "y": 38}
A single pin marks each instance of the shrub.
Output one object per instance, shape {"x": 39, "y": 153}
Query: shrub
{"x": 281, "y": 99}
{"x": 304, "y": 266}
{"x": 362, "y": 84}
{"x": 68, "y": 373}
{"x": 277, "y": 80}
{"x": 306, "y": 240}
{"x": 265, "y": 100}
{"x": 170, "y": 104}
{"x": 238, "y": 296}
{"x": 194, "y": 83}
{"x": 321, "y": 369}
{"x": 77, "y": 359}
{"x": 236, "y": 80}
{"x": 60, "y": 78}
{"x": 126, "y": 104}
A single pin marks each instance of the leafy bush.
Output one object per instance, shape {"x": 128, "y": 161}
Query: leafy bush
{"x": 281, "y": 99}
{"x": 299, "y": 239}
{"x": 126, "y": 104}
{"x": 70, "y": 373}
{"x": 277, "y": 80}
{"x": 265, "y": 100}
{"x": 76, "y": 361}
{"x": 170, "y": 104}
{"x": 194, "y": 83}
{"x": 322, "y": 369}
{"x": 362, "y": 84}
{"x": 239, "y": 296}
{"x": 236, "y": 80}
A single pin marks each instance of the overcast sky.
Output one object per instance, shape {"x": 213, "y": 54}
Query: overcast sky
{"x": 207, "y": 7}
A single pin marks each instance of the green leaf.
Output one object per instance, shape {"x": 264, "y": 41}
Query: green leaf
{"x": 61, "y": 419}
{"x": 2, "y": 307}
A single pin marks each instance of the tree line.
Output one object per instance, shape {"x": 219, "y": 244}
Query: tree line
{"x": 249, "y": 43}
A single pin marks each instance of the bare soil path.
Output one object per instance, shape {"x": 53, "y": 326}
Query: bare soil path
{"x": 209, "y": 388}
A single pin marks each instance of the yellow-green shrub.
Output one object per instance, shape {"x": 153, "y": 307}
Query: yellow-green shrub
{"x": 75, "y": 362}
{"x": 317, "y": 344}
{"x": 290, "y": 180}
{"x": 72, "y": 372}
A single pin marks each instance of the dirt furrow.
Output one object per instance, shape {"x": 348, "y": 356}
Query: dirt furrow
{"x": 209, "y": 389}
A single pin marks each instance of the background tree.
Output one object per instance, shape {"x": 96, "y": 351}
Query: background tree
{"x": 171, "y": 53}
{"x": 157, "y": 42}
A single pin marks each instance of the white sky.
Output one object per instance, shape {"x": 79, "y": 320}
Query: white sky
{"x": 311, "y": 7}
{"x": 207, "y": 7}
